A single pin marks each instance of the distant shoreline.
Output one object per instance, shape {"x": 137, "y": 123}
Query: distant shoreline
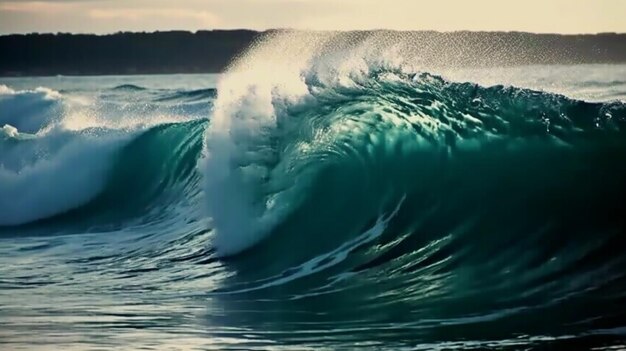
{"x": 106, "y": 75}
{"x": 202, "y": 52}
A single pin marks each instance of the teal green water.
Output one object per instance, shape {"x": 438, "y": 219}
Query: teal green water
{"x": 394, "y": 209}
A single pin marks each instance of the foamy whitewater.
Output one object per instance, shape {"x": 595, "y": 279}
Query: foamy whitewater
{"x": 323, "y": 193}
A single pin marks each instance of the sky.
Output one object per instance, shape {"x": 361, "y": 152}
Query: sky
{"x": 109, "y": 16}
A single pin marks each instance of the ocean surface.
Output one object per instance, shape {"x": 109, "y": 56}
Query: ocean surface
{"x": 309, "y": 200}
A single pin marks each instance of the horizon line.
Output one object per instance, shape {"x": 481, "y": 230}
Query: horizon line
{"x": 310, "y": 30}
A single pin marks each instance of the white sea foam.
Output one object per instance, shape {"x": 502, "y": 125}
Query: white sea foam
{"x": 9, "y": 131}
{"x": 238, "y": 157}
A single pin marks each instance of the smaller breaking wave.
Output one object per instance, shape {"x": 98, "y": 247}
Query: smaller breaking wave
{"x": 128, "y": 87}
{"x": 189, "y": 95}
{"x": 30, "y": 110}
{"x": 59, "y": 154}
{"x": 49, "y": 174}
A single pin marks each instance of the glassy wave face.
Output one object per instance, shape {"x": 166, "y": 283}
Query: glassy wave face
{"x": 320, "y": 194}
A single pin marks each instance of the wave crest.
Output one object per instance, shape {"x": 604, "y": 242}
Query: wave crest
{"x": 338, "y": 101}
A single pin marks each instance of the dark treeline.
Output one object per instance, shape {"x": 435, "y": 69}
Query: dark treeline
{"x": 120, "y": 53}
{"x": 211, "y": 51}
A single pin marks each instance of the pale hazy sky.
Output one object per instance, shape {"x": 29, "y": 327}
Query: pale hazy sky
{"x": 106, "y": 16}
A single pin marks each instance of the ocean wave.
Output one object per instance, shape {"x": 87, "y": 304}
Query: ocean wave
{"x": 359, "y": 106}
{"x": 30, "y": 110}
{"x": 506, "y": 202}
{"x": 347, "y": 191}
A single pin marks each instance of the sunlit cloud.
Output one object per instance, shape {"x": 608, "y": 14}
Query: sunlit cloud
{"x": 138, "y": 14}
{"x": 38, "y": 7}
{"x": 107, "y": 16}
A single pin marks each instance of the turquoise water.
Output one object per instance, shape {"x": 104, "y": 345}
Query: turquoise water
{"x": 315, "y": 202}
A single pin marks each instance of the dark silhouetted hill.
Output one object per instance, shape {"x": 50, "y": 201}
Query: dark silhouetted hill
{"x": 211, "y": 51}
{"x": 121, "y": 53}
